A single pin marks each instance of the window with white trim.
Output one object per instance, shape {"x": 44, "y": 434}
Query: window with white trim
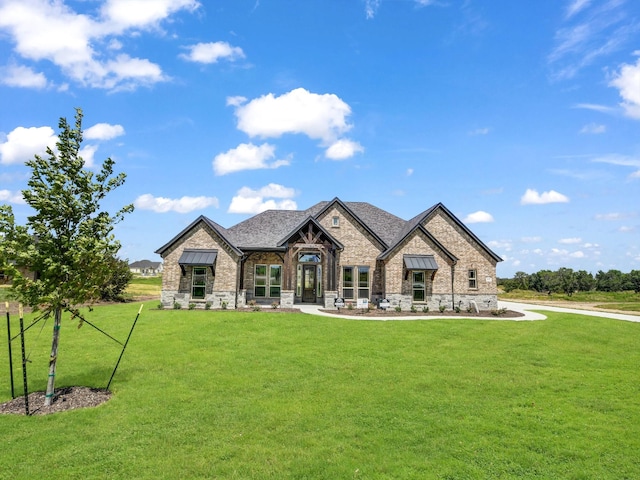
{"x": 198, "y": 282}
{"x": 335, "y": 221}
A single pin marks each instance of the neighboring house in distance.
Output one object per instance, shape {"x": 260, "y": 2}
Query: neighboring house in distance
{"x": 146, "y": 267}
{"x": 334, "y": 249}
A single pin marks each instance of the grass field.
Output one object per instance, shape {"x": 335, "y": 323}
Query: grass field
{"x": 626, "y": 301}
{"x": 204, "y": 394}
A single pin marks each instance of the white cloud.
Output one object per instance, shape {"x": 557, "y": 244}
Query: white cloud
{"x": 236, "y": 101}
{"x": 627, "y": 81}
{"x": 180, "y": 205}
{"x": 626, "y": 229}
{"x": 532, "y": 197}
{"x": 505, "y": 245}
{"x": 600, "y": 29}
{"x": 322, "y": 117}
{"x": 248, "y": 201}
{"x": 478, "y": 217}
{"x": 531, "y": 239}
{"x": 103, "y": 131}
{"x": 343, "y": 149}
{"x": 595, "y": 107}
{"x": 23, "y": 77}
{"x": 23, "y": 143}
{"x": 570, "y": 241}
{"x": 577, "y": 254}
{"x": 247, "y": 156}
{"x": 120, "y": 15}
{"x": 409, "y": 172}
{"x": 87, "y": 152}
{"x": 212, "y": 52}
{"x": 621, "y": 160}
{"x": 11, "y": 197}
{"x": 371, "y": 7}
{"x": 81, "y": 45}
{"x": 593, "y": 129}
{"x": 576, "y": 6}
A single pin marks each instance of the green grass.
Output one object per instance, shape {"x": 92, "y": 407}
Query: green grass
{"x": 204, "y": 394}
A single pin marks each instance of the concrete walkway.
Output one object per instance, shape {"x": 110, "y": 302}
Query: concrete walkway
{"x": 524, "y": 308}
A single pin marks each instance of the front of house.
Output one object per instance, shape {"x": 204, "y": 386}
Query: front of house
{"x": 352, "y": 251}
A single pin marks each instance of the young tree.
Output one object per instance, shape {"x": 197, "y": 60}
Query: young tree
{"x": 62, "y": 257}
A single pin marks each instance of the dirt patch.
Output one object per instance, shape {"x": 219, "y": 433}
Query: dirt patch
{"x": 68, "y": 398}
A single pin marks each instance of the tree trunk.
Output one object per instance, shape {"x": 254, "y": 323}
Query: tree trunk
{"x": 54, "y": 357}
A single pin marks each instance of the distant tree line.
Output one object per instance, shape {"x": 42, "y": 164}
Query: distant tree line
{"x": 568, "y": 281}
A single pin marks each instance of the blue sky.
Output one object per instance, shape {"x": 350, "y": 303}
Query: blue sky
{"x": 523, "y": 118}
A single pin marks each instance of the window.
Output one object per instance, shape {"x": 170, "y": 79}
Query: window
{"x": 198, "y": 282}
{"x": 309, "y": 258}
{"x": 335, "y": 221}
{"x": 363, "y": 282}
{"x": 299, "y": 281}
{"x": 473, "y": 279}
{"x": 275, "y": 280}
{"x": 267, "y": 286}
{"x": 347, "y": 282}
{"x": 418, "y": 286}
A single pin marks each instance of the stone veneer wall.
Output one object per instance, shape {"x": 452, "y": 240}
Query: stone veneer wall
{"x": 360, "y": 249}
{"x": 177, "y": 288}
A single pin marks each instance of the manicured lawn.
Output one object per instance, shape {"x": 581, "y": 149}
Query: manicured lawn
{"x": 204, "y": 394}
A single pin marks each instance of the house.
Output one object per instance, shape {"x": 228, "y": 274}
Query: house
{"x": 334, "y": 250}
{"x": 146, "y": 267}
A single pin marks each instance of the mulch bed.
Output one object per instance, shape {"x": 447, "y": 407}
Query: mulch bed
{"x": 68, "y": 398}
{"x": 390, "y": 313}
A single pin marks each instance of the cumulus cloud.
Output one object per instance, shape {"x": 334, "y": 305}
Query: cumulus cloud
{"x": 87, "y": 152}
{"x": 478, "y": 217}
{"x": 593, "y": 129}
{"x": 249, "y": 201}
{"x": 22, "y": 77}
{"x": 11, "y": 197}
{"x": 505, "y": 245}
{"x": 44, "y": 30}
{"x": 343, "y": 149}
{"x": 179, "y": 205}
{"x": 532, "y": 197}
{"x": 23, "y": 143}
{"x": 212, "y": 52}
{"x": 103, "y": 131}
{"x": 627, "y": 81}
{"x": 371, "y": 8}
{"x": 247, "y": 156}
{"x": 321, "y": 117}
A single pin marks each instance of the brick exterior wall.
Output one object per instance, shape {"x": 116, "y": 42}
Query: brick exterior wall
{"x": 360, "y": 249}
{"x": 176, "y": 287}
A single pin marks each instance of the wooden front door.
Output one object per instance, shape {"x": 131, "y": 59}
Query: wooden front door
{"x": 309, "y": 283}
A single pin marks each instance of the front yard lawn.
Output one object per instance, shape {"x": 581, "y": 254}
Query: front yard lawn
{"x": 224, "y": 394}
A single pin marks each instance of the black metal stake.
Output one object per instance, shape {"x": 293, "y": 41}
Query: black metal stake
{"x": 124, "y": 347}
{"x": 24, "y": 365}
{"x": 13, "y": 395}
